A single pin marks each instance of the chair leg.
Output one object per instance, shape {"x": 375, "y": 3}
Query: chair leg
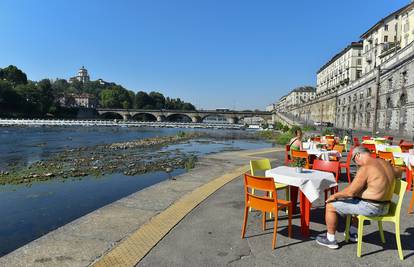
{"x": 275, "y": 232}
{"x": 246, "y": 213}
{"x": 410, "y": 209}
{"x": 290, "y": 220}
{"x": 250, "y": 209}
{"x": 270, "y": 214}
{"x": 381, "y": 230}
{"x": 264, "y": 220}
{"x": 348, "y": 173}
{"x": 360, "y": 233}
{"x": 347, "y": 226}
{"x": 398, "y": 239}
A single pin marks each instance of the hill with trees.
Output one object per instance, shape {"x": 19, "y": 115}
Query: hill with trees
{"x": 20, "y": 97}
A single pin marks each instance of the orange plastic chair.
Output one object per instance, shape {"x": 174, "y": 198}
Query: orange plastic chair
{"x": 339, "y": 148}
{"x": 366, "y": 137}
{"x": 356, "y": 141}
{"x": 267, "y": 203}
{"x": 302, "y": 155}
{"x": 328, "y": 166}
{"x": 387, "y": 156}
{"x": 330, "y": 137}
{"x": 347, "y": 165}
{"x": 330, "y": 143}
{"x": 410, "y": 209}
{"x": 370, "y": 147}
{"x": 287, "y": 155}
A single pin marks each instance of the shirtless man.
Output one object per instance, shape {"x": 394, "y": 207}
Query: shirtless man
{"x": 369, "y": 194}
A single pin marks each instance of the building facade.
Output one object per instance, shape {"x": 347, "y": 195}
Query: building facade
{"x": 379, "y": 93}
{"x": 82, "y": 76}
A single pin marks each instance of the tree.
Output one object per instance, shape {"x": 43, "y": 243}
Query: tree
{"x": 13, "y": 75}
{"x": 9, "y": 99}
{"x": 158, "y": 99}
{"x": 143, "y": 100}
{"x": 47, "y": 97}
{"x": 115, "y": 97}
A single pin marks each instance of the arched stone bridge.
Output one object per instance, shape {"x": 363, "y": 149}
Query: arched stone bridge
{"x": 194, "y": 115}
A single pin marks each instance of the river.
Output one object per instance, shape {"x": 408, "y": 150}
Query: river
{"x": 30, "y": 211}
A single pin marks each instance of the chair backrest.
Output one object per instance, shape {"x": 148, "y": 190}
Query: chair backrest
{"x": 370, "y": 147}
{"x": 348, "y": 158}
{"x": 366, "y": 137}
{"x": 330, "y": 137}
{"x": 287, "y": 154}
{"x": 339, "y": 148}
{"x": 406, "y": 147}
{"x": 327, "y": 166}
{"x": 302, "y": 155}
{"x": 356, "y": 141}
{"x": 393, "y": 149}
{"x": 265, "y": 203}
{"x": 316, "y": 139}
{"x": 388, "y": 156}
{"x": 330, "y": 144}
{"x": 401, "y": 141}
{"x": 399, "y": 190}
{"x": 346, "y": 139}
{"x": 259, "y": 165}
{"x": 373, "y": 155}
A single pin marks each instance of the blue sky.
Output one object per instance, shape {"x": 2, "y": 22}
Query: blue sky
{"x": 240, "y": 54}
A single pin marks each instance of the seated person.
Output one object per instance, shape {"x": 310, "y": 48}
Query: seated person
{"x": 369, "y": 194}
{"x": 296, "y": 142}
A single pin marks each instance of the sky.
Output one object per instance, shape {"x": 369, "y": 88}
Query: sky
{"x": 237, "y": 54}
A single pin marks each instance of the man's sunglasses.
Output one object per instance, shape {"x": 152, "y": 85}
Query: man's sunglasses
{"x": 353, "y": 158}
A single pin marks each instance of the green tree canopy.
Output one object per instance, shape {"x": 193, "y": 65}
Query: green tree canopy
{"x": 13, "y": 75}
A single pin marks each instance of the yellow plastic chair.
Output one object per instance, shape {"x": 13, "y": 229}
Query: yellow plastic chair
{"x": 264, "y": 165}
{"x": 399, "y": 162}
{"x": 392, "y": 216}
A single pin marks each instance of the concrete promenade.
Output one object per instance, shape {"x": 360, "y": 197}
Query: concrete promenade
{"x": 209, "y": 234}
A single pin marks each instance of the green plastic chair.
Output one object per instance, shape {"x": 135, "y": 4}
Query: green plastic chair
{"x": 264, "y": 165}
{"x": 397, "y": 161}
{"x": 392, "y": 216}
{"x": 345, "y": 143}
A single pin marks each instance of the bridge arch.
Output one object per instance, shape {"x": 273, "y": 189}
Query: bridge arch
{"x": 144, "y": 117}
{"x": 177, "y": 117}
{"x": 110, "y": 115}
{"x": 214, "y": 118}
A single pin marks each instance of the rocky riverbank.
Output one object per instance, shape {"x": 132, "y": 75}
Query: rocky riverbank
{"x": 130, "y": 158}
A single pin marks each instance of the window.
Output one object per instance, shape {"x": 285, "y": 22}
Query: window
{"x": 404, "y": 78}
{"x": 358, "y": 74}
{"x": 385, "y": 38}
{"x": 369, "y": 91}
{"x": 361, "y": 95}
{"x": 359, "y": 61}
{"x": 390, "y": 84}
{"x": 386, "y": 27}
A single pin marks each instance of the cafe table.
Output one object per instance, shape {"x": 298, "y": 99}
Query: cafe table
{"x": 383, "y": 147}
{"x": 311, "y": 184}
{"x": 323, "y": 153}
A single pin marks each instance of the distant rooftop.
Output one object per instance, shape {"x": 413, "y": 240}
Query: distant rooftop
{"x": 353, "y": 44}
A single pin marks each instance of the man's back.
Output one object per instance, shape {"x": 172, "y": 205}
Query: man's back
{"x": 380, "y": 180}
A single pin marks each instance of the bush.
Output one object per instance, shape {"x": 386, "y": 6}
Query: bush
{"x": 278, "y": 126}
{"x": 283, "y": 138}
{"x": 181, "y": 134}
{"x": 327, "y": 131}
{"x": 269, "y": 135}
{"x": 293, "y": 129}
{"x": 308, "y": 128}
{"x": 285, "y": 128}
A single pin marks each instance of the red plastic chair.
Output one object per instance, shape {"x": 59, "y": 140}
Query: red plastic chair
{"x": 401, "y": 141}
{"x": 288, "y": 159}
{"x": 356, "y": 141}
{"x": 370, "y": 147}
{"x": 328, "y": 166}
{"x": 405, "y": 147}
{"x": 373, "y": 155}
{"x": 267, "y": 203}
{"x": 366, "y": 137}
{"x": 347, "y": 165}
{"x": 316, "y": 139}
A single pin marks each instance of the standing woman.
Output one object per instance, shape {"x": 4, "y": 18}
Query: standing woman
{"x": 296, "y": 142}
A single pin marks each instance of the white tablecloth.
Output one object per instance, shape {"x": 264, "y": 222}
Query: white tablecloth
{"x": 407, "y": 157}
{"x": 323, "y": 154}
{"x": 383, "y": 147}
{"x": 311, "y": 182}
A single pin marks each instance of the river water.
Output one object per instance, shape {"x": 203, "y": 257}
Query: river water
{"x": 28, "y": 212}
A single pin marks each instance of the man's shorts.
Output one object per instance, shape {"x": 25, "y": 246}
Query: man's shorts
{"x": 356, "y": 206}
